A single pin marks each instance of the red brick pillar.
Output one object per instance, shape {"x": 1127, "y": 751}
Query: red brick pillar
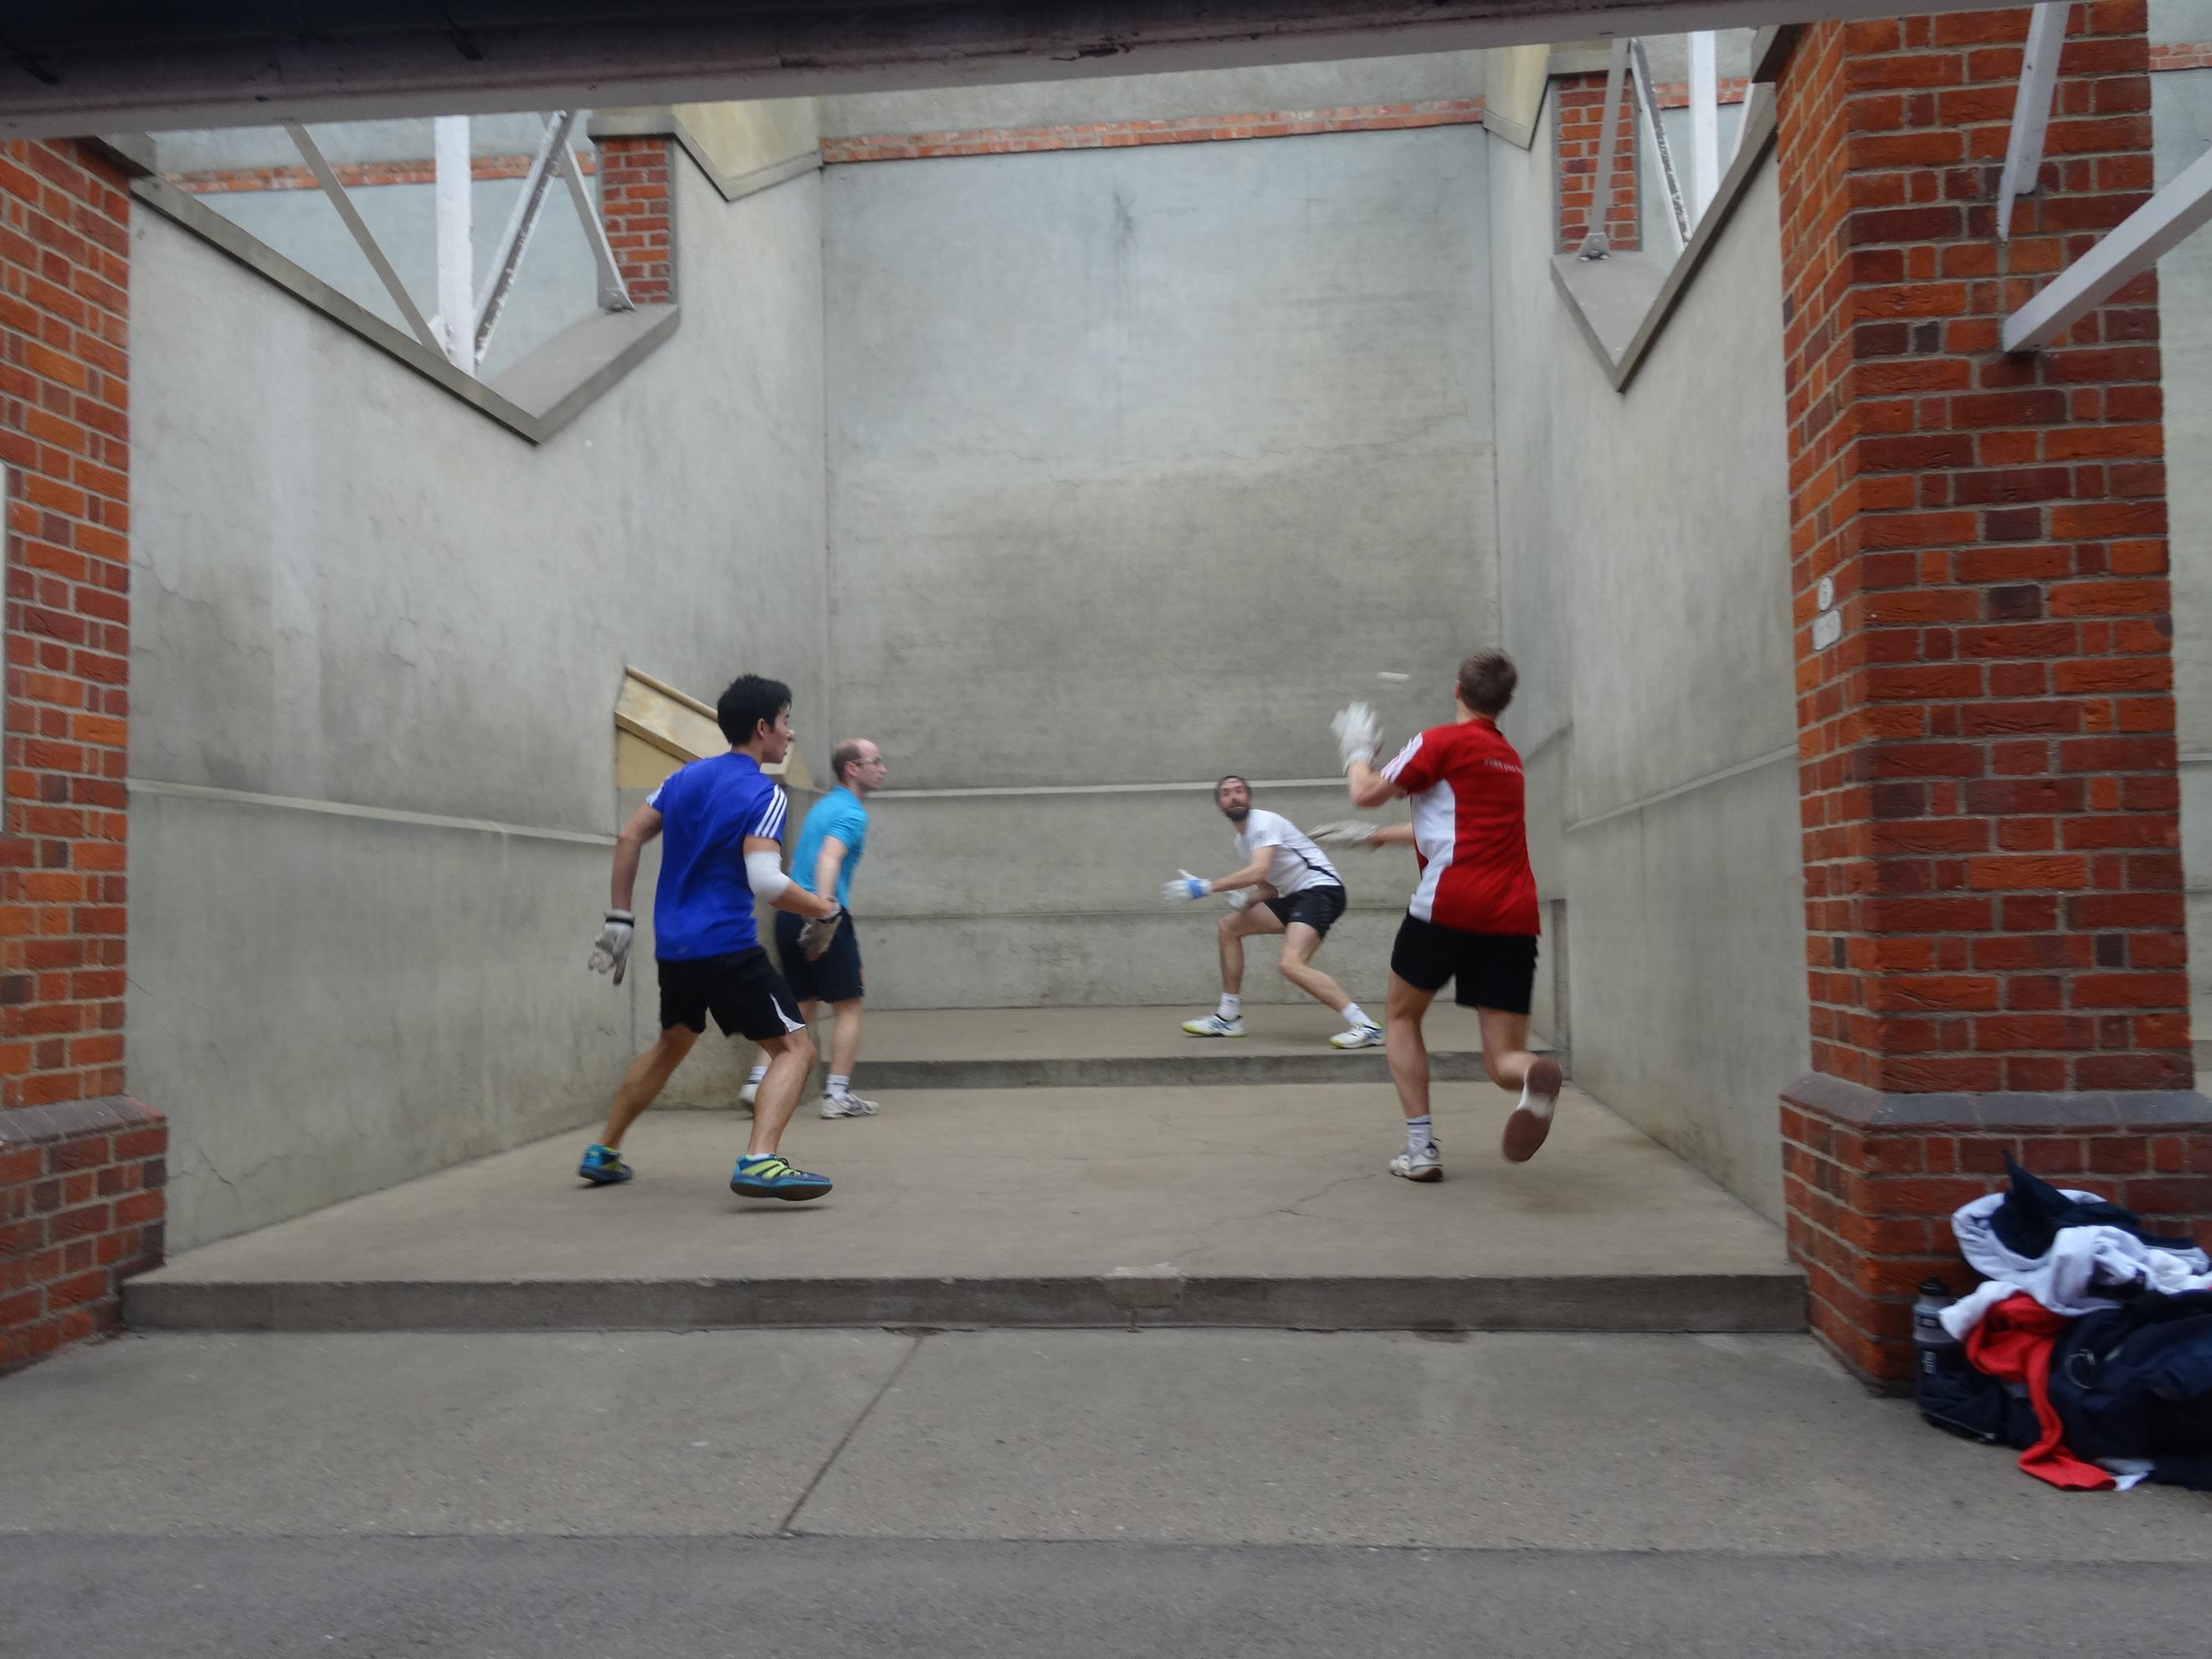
{"x": 1578, "y": 113}
{"x": 637, "y": 203}
{"x": 81, "y": 1167}
{"x": 1994, "y": 910}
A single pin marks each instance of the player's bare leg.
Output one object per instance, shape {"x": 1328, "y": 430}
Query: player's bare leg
{"x": 1403, "y": 1013}
{"x": 647, "y": 1075}
{"x": 1511, "y": 1065}
{"x": 1300, "y": 941}
{"x": 790, "y": 1058}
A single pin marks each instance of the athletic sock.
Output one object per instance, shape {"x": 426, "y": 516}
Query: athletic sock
{"x": 839, "y": 1082}
{"x": 1419, "y": 1138}
{"x": 1356, "y": 1016}
{"x": 1228, "y": 1007}
{"x": 756, "y": 1074}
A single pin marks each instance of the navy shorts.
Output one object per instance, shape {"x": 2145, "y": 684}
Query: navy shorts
{"x": 834, "y": 975}
{"x": 1316, "y": 906}
{"x": 742, "y": 991}
{"x": 1494, "y": 970}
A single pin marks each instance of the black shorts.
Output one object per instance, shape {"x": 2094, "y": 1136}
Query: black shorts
{"x": 1316, "y": 906}
{"x": 1494, "y": 970}
{"x": 747, "y": 996}
{"x": 835, "y": 976}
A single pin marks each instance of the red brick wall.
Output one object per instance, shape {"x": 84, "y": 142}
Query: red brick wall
{"x": 1994, "y": 905}
{"x": 637, "y": 202}
{"x": 1577, "y": 114}
{"x": 82, "y": 1202}
{"x": 1991, "y": 809}
{"x": 80, "y": 1169}
{"x": 65, "y": 436}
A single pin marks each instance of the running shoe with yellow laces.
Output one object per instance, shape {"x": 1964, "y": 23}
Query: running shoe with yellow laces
{"x": 769, "y": 1176}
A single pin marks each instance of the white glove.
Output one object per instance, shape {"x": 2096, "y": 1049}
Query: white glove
{"x": 1352, "y": 832}
{"x": 1358, "y": 733}
{"x": 1238, "y": 897}
{"x": 610, "y": 952}
{"x": 1185, "y": 888}
{"x": 815, "y": 935}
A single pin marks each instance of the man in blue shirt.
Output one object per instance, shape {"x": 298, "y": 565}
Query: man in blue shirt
{"x": 724, "y": 823}
{"x": 829, "y": 848}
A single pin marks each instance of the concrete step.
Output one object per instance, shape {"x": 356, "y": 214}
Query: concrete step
{"x": 1137, "y": 1049}
{"x": 993, "y": 1208}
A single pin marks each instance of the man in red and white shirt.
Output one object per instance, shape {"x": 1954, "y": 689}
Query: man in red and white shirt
{"x": 1473, "y": 918}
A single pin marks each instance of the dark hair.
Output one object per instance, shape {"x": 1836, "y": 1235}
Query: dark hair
{"x": 1232, "y": 777}
{"x": 1487, "y": 680}
{"x": 750, "y": 699}
{"x": 842, "y": 756}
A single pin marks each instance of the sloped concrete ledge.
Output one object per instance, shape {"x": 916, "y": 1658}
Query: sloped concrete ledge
{"x": 2165, "y": 1110}
{"x": 1710, "y": 1304}
{"x": 534, "y": 399}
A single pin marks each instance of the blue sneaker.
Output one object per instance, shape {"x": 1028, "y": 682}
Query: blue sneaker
{"x": 769, "y": 1176}
{"x": 603, "y": 1166}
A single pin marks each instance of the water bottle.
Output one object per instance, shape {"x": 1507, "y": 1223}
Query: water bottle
{"x": 1935, "y": 1350}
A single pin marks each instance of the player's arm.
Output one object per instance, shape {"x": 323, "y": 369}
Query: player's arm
{"x": 1369, "y": 788}
{"x": 630, "y": 848}
{"x": 611, "y": 951}
{"x": 1186, "y": 886}
{"x": 781, "y": 892}
{"x": 1358, "y": 832}
{"x": 829, "y": 865}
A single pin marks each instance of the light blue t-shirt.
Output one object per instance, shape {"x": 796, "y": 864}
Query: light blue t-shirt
{"x": 838, "y": 813}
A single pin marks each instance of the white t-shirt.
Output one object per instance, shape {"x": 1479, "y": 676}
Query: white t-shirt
{"x": 1298, "y": 863}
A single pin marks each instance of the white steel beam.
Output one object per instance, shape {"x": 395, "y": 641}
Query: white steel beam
{"x": 311, "y": 154}
{"x": 456, "y": 253}
{"x": 2031, "y": 111}
{"x": 1704, "y": 123}
{"x": 1595, "y": 245}
{"x": 1639, "y": 70}
{"x": 614, "y": 293}
{"x": 521, "y": 223}
{"x": 2129, "y": 249}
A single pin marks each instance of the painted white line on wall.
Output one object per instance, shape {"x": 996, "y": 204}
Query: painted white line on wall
{"x": 1773, "y": 757}
{"x": 344, "y": 810}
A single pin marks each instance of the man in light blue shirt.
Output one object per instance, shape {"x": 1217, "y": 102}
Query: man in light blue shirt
{"x": 828, "y": 852}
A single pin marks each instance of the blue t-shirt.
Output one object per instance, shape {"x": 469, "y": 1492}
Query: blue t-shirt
{"x": 838, "y": 813}
{"x": 703, "y": 906}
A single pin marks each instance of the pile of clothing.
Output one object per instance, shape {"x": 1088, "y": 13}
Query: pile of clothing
{"x": 2089, "y": 1347}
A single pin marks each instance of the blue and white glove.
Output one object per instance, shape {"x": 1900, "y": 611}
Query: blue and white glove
{"x": 611, "y": 951}
{"x": 1185, "y": 888}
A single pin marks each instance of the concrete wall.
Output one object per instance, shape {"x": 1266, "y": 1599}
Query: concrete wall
{"x": 1645, "y": 596}
{"x": 378, "y": 643}
{"x": 2181, "y": 113}
{"x": 1141, "y": 462}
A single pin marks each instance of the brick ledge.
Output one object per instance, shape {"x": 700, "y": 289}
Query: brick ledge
{"x": 2172, "y": 1109}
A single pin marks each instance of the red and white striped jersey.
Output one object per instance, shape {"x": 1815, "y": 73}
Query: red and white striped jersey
{"x": 1470, "y": 832}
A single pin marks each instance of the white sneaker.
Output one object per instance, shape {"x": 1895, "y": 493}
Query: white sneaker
{"x": 746, "y": 1095}
{"x": 847, "y": 1104}
{"x": 1214, "y": 1025}
{"x": 1359, "y": 1036}
{"x": 1531, "y": 1120}
{"x": 1427, "y": 1165}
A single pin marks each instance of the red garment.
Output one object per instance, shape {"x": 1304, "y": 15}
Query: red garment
{"x": 2013, "y": 1344}
{"x": 1469, "y": 831}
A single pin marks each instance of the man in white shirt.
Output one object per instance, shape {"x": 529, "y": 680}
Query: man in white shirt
{"x": 1287, "y": 886}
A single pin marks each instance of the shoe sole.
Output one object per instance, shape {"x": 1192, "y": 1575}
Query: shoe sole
{"x": 1231, "y": 1036}
{"x": 601, "y": 1181}
{"x": 800, "y": 1196}
{"x": 1355, "y": 1047}
{"x": 1527, "y": 1131}
{"x": 1434, "y": 1172}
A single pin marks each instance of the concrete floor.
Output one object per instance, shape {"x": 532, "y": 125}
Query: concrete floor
{"x": 1239, "y": 1205}
{"x": 1121, "y": 1033}
{"x": 1045, "y": 1492}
